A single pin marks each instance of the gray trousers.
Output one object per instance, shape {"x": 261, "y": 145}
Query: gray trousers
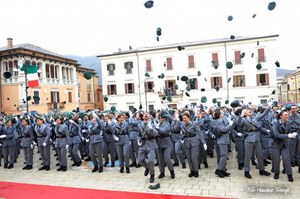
{"x": 284, "y": 153}
{"x": 45, "y": 154}
{"x": 123, "y": 154}
{"x": 292, "y": 149}
{"x": 202, "y": 157}
{"x": 9, "y": 151}
{"x": 28, "y": 155}
{"x": 239, "y": 146}
{"x": 134, "y": 150}
{"x": 0, "y": 155}
{"x": 265, "y": 147}
{"x": 164, "y": 158}
{"x": 223, "y": 149}
{"x": 251, "y": 147}
{"x": 74, "y": 148}
{"x": 109, "y": 148}
{"x": 192, "y": 157}
{"x": 96, "y": 148}
{"x": 17, "y": 148}
{"x": 62, "y": 156}
{"x": 179, "y": 151}
{"x": 146, "y": 159}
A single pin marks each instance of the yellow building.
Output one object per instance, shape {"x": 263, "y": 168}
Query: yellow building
{"x": 290, "y": 87}
{"x": 58, "y": 81}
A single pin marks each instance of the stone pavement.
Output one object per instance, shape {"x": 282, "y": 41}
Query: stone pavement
{"x": 208, "y": 184}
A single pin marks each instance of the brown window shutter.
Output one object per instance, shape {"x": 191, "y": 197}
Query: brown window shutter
{"x": 257, "y": 79}
{"x": 115, "y": 89}
{"x": 191, "y": 61}
{"x": 267, "y": 79}
{"x": 234, "y": 81}
{"x": 58, "y": 100}
{"x": 169, "y": 63}
{"x": 212, "y": 83}
{"x": 196, "y": 83}
{"x": 108, "y": 89}
{"x": 237, "y": 58}
{"x": 126, "y": 88}
{"x": 215, "y": 58}
{"x": 133, "y": 88}
{"x": 220, "y": 82}
{"x": 244, "y": 78}
{"x": 261, "y": 54}
{"x": 148, "y": 65}
{"x": 166, "y": 86}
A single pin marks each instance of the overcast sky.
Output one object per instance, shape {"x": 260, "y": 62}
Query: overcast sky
{"x": 94, "y": 27}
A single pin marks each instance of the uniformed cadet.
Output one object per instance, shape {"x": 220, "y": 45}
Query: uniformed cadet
{"x": 62, "y": 142}
{"x": 43, "y": 141}
{"x": 281, "y": 132}
{"x": 7, "y": 135}
{"x": 222, "y": 141}
{"x": 95, "y": 139}
{"x": 84, "y": 146}
{"x": 176, "y": 138}
{"x": 190, "y": 143}
{"x": 109, "y": 145}
{"x": 252, "y": 141}
{"x": 294, "y": 119}
{"x": 122, "y": 142}
{"x": 27, "y": 143}
{"x": 164, "y": 145}
{"x": 75, "y": 139}
{"x": 133, "y": 129}
{"x": 148, "y": 145}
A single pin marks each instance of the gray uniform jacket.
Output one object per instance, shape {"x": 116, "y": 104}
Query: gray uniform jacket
{"x": 108, "y": 131}
{"x": 163, "y": 137}
{"x": 133, "y": 127}
{"x": 147, "y": 136}
{"x": 237, "y": 128}
{"x": 121, "y": 131}
{"x": 62, "y": 135}
{"x": 189, "y": 132}
{"x": 75, "y": 133}
{"x": 224, "y": 129}
{"x": 43, "y": 134}
{"x": 96, "y": 132}
{"x": 280, "y": 134}
{"x": 27, "y": 135}
{"x": 295, "y": 123}
{"x": 175, "y": 131}
{"x": 250, "y": 126}
{"x": 10, "y": 133}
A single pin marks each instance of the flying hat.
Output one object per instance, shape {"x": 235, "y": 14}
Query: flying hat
{"x": 257, "y": 43}
{"x": 176, "y": 86}
{"x": 271, "y": 5}
{"x": 258, "y": 66}
{"x": 199, "y": 73}
{"x": 229, "y": 79}
{"x": 180, "y": 48}
{"x": 187, "y": 88}
{"x": 217, "y": 87}
{"x": 87, "y": 75}
{"x": 214, "y": 100}
{"x": 158, "y": 31}
{"x": 113, "y": 108}
{"x": 242, "y": 55}
{"x": 205, "y": 79}
{"x": 203, "y": 99}
{"x": 177, "y": 77}
{"x": 169, "y": 98}
{"x": 187, "y": 94}
{"x": 277, "y": 63}
{"x": 235, "y": 103}
{"x": 229, "y": 65}
{"x": 273, "y": 92}
{"x": 163, "y": 98}
{"x": 215, "y": 65}
{"x": 161, "y": 76}
{"x": 28, "y": 98}
{"x": 230, "y": 18}
{"x": 253, "y": 16}
{"x": 149, "y": 4}
{"x": 184, "y": 78}
{"x": 105, "y": 98}
{"x": 202, "y": 89}
{"x": 147, "y": 75}
{"x": 252, "y": 55}
{"x": 232, "y": 37}
{"x": 226, "y": 101}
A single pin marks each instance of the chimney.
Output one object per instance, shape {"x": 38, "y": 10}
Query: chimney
{"x": 9, "y": 42}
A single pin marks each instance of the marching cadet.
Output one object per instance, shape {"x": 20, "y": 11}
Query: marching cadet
{"x": 176, "y": 137}
{"x": 27, "y": 142}
{"x": 43, "y": 134}
{"x": 294, "y": 118}
{"x": 7, "y": 135}
{"x": 222, "y": 141}
{"x": 190, "y": 143}
{"x": 109, "y": 146}
{"x": 95, "y": 139}
{"x": 281, "y": 132}
{"x": 75, "y": 139}
{"x": 84, "y": 146}
{"x": 148, "y": 145}
{"x": 62, "y": 142}
{"x": 133, "y": 129}
{"x": 252, "y": 141}
{"x": 164, "y": 146}
{"x": 122, "y": 142}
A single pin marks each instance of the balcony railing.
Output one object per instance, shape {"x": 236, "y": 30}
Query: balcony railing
{"x": 261, "y": 59}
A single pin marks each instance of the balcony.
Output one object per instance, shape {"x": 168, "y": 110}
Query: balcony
{"x": 56, "y": 105}
{"x": 261, "y": 59}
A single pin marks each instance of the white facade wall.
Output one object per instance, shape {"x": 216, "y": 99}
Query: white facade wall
{"x": 202, "y": 59}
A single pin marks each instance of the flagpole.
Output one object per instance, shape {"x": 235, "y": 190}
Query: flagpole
{"x": 26, "y": 88}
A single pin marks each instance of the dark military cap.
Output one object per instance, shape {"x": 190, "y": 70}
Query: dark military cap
{"x": 215, "y": 65}
{"x": 242, "y": 55}
{"x": 258, "y": 66}
{"x": 158, "y": 31}
{"x": 277, "y": 63}
{"x": 253, "y": 16}
{"x": 177, "y": 77}
{"x": 180, "y": 48}
{"x": 105, "y": 99}
{"x": 163, "y": 98}
{"x": 187, "y": 88}
{"x": 184, "y": 78}
{"x": 28, "y": 98}
{"x": 229, "y": 65}
{"x": 176, "y": 86}
{"x": 199, "y": 73}
{"x": 235, "y": 103}
{"x": 230, "y": 18}
{"x": 202, "y": 89}
{"x": 149, "y": 4}
{"x": 226, "y": 101}
{"x": 147, "y": 75}
{"x": 271, "y": 5}
{"x": 214, "y": 100}
{"x": 273, "y": 92}
{"x": 87, "y": 75}
{"x": 232, "y": 37}
{"x": 203, "y": 99}
{"x": 217, "y": 87}
{"x": 229, "y": 79}
{"x": 187, "y": 94}
{"x": 169, "y": 98}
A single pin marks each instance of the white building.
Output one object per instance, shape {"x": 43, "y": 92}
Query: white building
{"x": 126, "y": 86}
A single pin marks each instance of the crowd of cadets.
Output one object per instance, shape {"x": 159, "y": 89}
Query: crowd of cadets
{"x": 166, "y": 138}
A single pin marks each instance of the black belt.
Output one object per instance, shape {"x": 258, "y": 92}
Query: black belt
{"x": 148, "y": 138}
{"x": 41, "y": 136}
{"x": 63, "y": 136}
{"x": 190, "y": 136}
{"x": 175, "y": 133}
{"x": 163, "y": 136}
{"x": 27, "y": 136}
{"x": 73, "y": 136}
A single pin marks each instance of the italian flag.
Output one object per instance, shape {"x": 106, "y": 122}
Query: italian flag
{"x": 32, "y": 76}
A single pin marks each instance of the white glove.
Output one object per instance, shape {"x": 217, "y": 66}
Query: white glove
{"x": 95, "y": 115}
{"x": 292, "y": 135}
{"x": 231, "y": 122}
{"x": 182, "y": 141}
{"x": 34, "y": 143}
{"x": 83, "y": 139}
{"x": 71, "y": 121}
{"x": 83, "y": 131}
{"x": 206, "y": 132}
{"x": 239, "y": 134}
{"x": 156, "y": 125}
{"x": 67, "y": 147}
{"x": 31, "y": 146}
{"x": 44, "y": 144}
{"x": 149, "y": 125}
{"x": 139, "y": 143}
{"x": 116, "y": 138}
{"x": 0, "y": 144}
{"x": 2, "y": 136}
{"x": 54, "y": 123}
{"x": 213, "y": 136}
{"x": 87, "y": 140}
{"x": 205, "y": 146}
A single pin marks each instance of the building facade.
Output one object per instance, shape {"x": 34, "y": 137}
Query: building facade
{"x": 290, "y": 87}
{"x": 204, "y": 63}
{"x": 58, "y": 82}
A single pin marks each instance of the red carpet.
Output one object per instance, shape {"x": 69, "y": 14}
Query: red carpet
{"x": 10, "y": 190}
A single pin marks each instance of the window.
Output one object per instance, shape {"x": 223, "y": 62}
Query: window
{"x": 148, "y": 65}
{"x": 111, "y": 69}
{"x": 70, "y": 97}
{"x": 98, "y": 97}
{"x": 237, "y": 57}
{"x": 36, "y": 100}
{"x": 89, "y": 97}
{"x": 262, "y": 79}
{"x": 288, "y": 87}
{"x": 151, "y": 107}
{"x": 149, "y": 86}
{"x": 111, "y": 89}
{"x": 170, "y": 87}
{"x": 191, "y": 61}
{"x": 193, "y": 84}
{"x": 131, "y": 108}
{"x": 54, "y": 96}
{"x": 169, "y": 63}
{"x": 129, "y": 88}
{"x": 128, "y": 67}
{"x": 261, "y": 55}
{"x": 216, "y": 81}
{"x": 239, "y": 81}
{"x": 263, "y": 102}
{"x": 88, "y": 84}
{"x": 215, "y": 58}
